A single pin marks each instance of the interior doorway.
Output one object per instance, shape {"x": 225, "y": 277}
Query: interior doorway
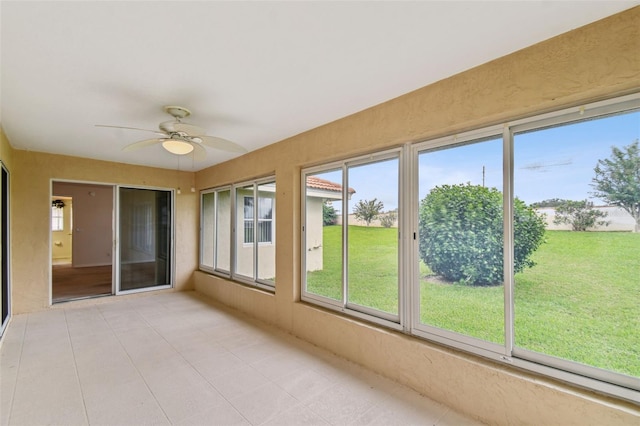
{"x": 81, "y": 241}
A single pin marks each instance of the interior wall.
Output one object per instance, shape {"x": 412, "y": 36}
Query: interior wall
{"x": 32, "y": 174}
{"x": 588, "y": 64}
{"x": 61, "y": 241}
{"x": 92, "y": 222}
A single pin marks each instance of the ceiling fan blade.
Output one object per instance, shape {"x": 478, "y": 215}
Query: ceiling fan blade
{"x": 199, "y": 153}
{"x": 131, "y": 128}
{"x": 141, "y": 144}
{"x": 222, "y": 144}
{"x": 189, "y": 129}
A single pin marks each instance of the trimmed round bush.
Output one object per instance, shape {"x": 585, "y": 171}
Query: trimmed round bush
{"x": 461, "y": 234}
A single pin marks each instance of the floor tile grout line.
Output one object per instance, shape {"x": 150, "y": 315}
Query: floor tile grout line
{"x": 270, "y": 381}
{"x": 164, "y": 413}
{"x": 194, "y": 367}
{"x": 437, "y": 422}
{"x": 15, "y": 386}
{"x": 183, "y": 317}
{"x": 247, "y": 364}
{"x": 75, "y": 368}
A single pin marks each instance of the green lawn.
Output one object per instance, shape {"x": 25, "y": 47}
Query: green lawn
{"x": 372, "y": 269}
{"x": 580, "y": 302}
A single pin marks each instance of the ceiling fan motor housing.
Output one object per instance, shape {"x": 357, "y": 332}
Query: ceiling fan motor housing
{"x": 177, "y": 112}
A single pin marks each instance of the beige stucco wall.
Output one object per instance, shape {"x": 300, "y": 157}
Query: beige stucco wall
{"x": 31, "y": 175}
{"x": 588, "y": 64}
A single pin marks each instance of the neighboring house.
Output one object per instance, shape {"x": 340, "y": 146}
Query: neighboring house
{"x": 266, "y": 232}
{"x": 318, "y": 191}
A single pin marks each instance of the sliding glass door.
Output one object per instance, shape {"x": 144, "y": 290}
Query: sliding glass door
{"x": 145, "y": 219}
{"x": 5, "y": 293}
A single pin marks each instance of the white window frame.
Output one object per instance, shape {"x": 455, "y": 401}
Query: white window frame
{"x": 593, "y": 378}
{"x": 256, "y": 223}
{"x": 237, "y": 225}
{"x": 447, "y": 337}
{"x": 370, "y": 314}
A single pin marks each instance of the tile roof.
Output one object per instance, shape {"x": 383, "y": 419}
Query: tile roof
{"x": 317, "y": 183}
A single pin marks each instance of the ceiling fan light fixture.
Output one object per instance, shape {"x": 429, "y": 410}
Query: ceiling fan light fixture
{"x": 177, "y": 147}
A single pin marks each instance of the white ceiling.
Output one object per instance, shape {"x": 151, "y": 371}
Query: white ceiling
{"x": 251, "y": 72}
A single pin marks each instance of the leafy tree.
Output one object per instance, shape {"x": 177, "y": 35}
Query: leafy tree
{"x": 329, "y": 215}
{"x": 461, "y": 233}
{"x": 389, "y": 218}
{"x": 368, "y": 210}
{"x": 579, "y": 214}
{"x": 617, "y": 180}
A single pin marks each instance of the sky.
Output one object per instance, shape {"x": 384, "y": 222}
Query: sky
{"x": 557, "y": 162}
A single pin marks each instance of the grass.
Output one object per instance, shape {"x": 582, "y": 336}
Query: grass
{"x": 372, "y": 269}
{"x": 580, "y": 302}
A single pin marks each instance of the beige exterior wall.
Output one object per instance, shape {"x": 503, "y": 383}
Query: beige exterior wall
{"x": 588, "y": 64}
{"x": 618, "y": 220}
{"x": 266, "y": 251}
{"x": 314, "y": 231}
{"x": 31, "y": 176}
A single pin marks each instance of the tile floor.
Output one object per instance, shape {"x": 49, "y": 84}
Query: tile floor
{"x": 177, "y": 358}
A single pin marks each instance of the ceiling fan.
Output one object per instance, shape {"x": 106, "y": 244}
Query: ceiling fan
{"x": 181, "y": 138}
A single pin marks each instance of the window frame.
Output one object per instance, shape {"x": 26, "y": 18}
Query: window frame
{"x": 367, "y": 313}
{"x": 236, "y": 224}
{"x": 416, "y": 327}
{"x": 214, "y": 269}
{"x": 259, "y": 221}
{"x": 593, "y": 378}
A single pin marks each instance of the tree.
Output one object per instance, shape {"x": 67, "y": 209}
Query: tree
{"x": 329, "y": 215}
{"x": 579, "y": 214}
{"x": 368, "y": 210}
{"x": 617, "y": 180}
{"x": 461, "y": 233}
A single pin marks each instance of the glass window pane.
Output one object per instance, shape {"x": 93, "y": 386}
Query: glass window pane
{"x": 460, "y": 239}
{"x": 372, "y": 279}
{"x": 57, "y": 218}
{"x": 248, "y": 220}
{"x": 223, "y": 231}
{"x": 145, "y": 238}
{"x": 248, "y": 207}
{"x": 245, "y": 231}
{"x": 248, "y": 231}
{"x": 265, "y": 202}
{"x": 266, "y": 235}
{"x": 323, "y": 229}
{"x": 580, "y": 301}
{"x": 208, "y": 229}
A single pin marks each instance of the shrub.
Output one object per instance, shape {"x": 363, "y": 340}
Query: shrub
{"x": 388, "y": 219}
{"x": 461, "y": 233}
{"x": 580, "y": 215}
